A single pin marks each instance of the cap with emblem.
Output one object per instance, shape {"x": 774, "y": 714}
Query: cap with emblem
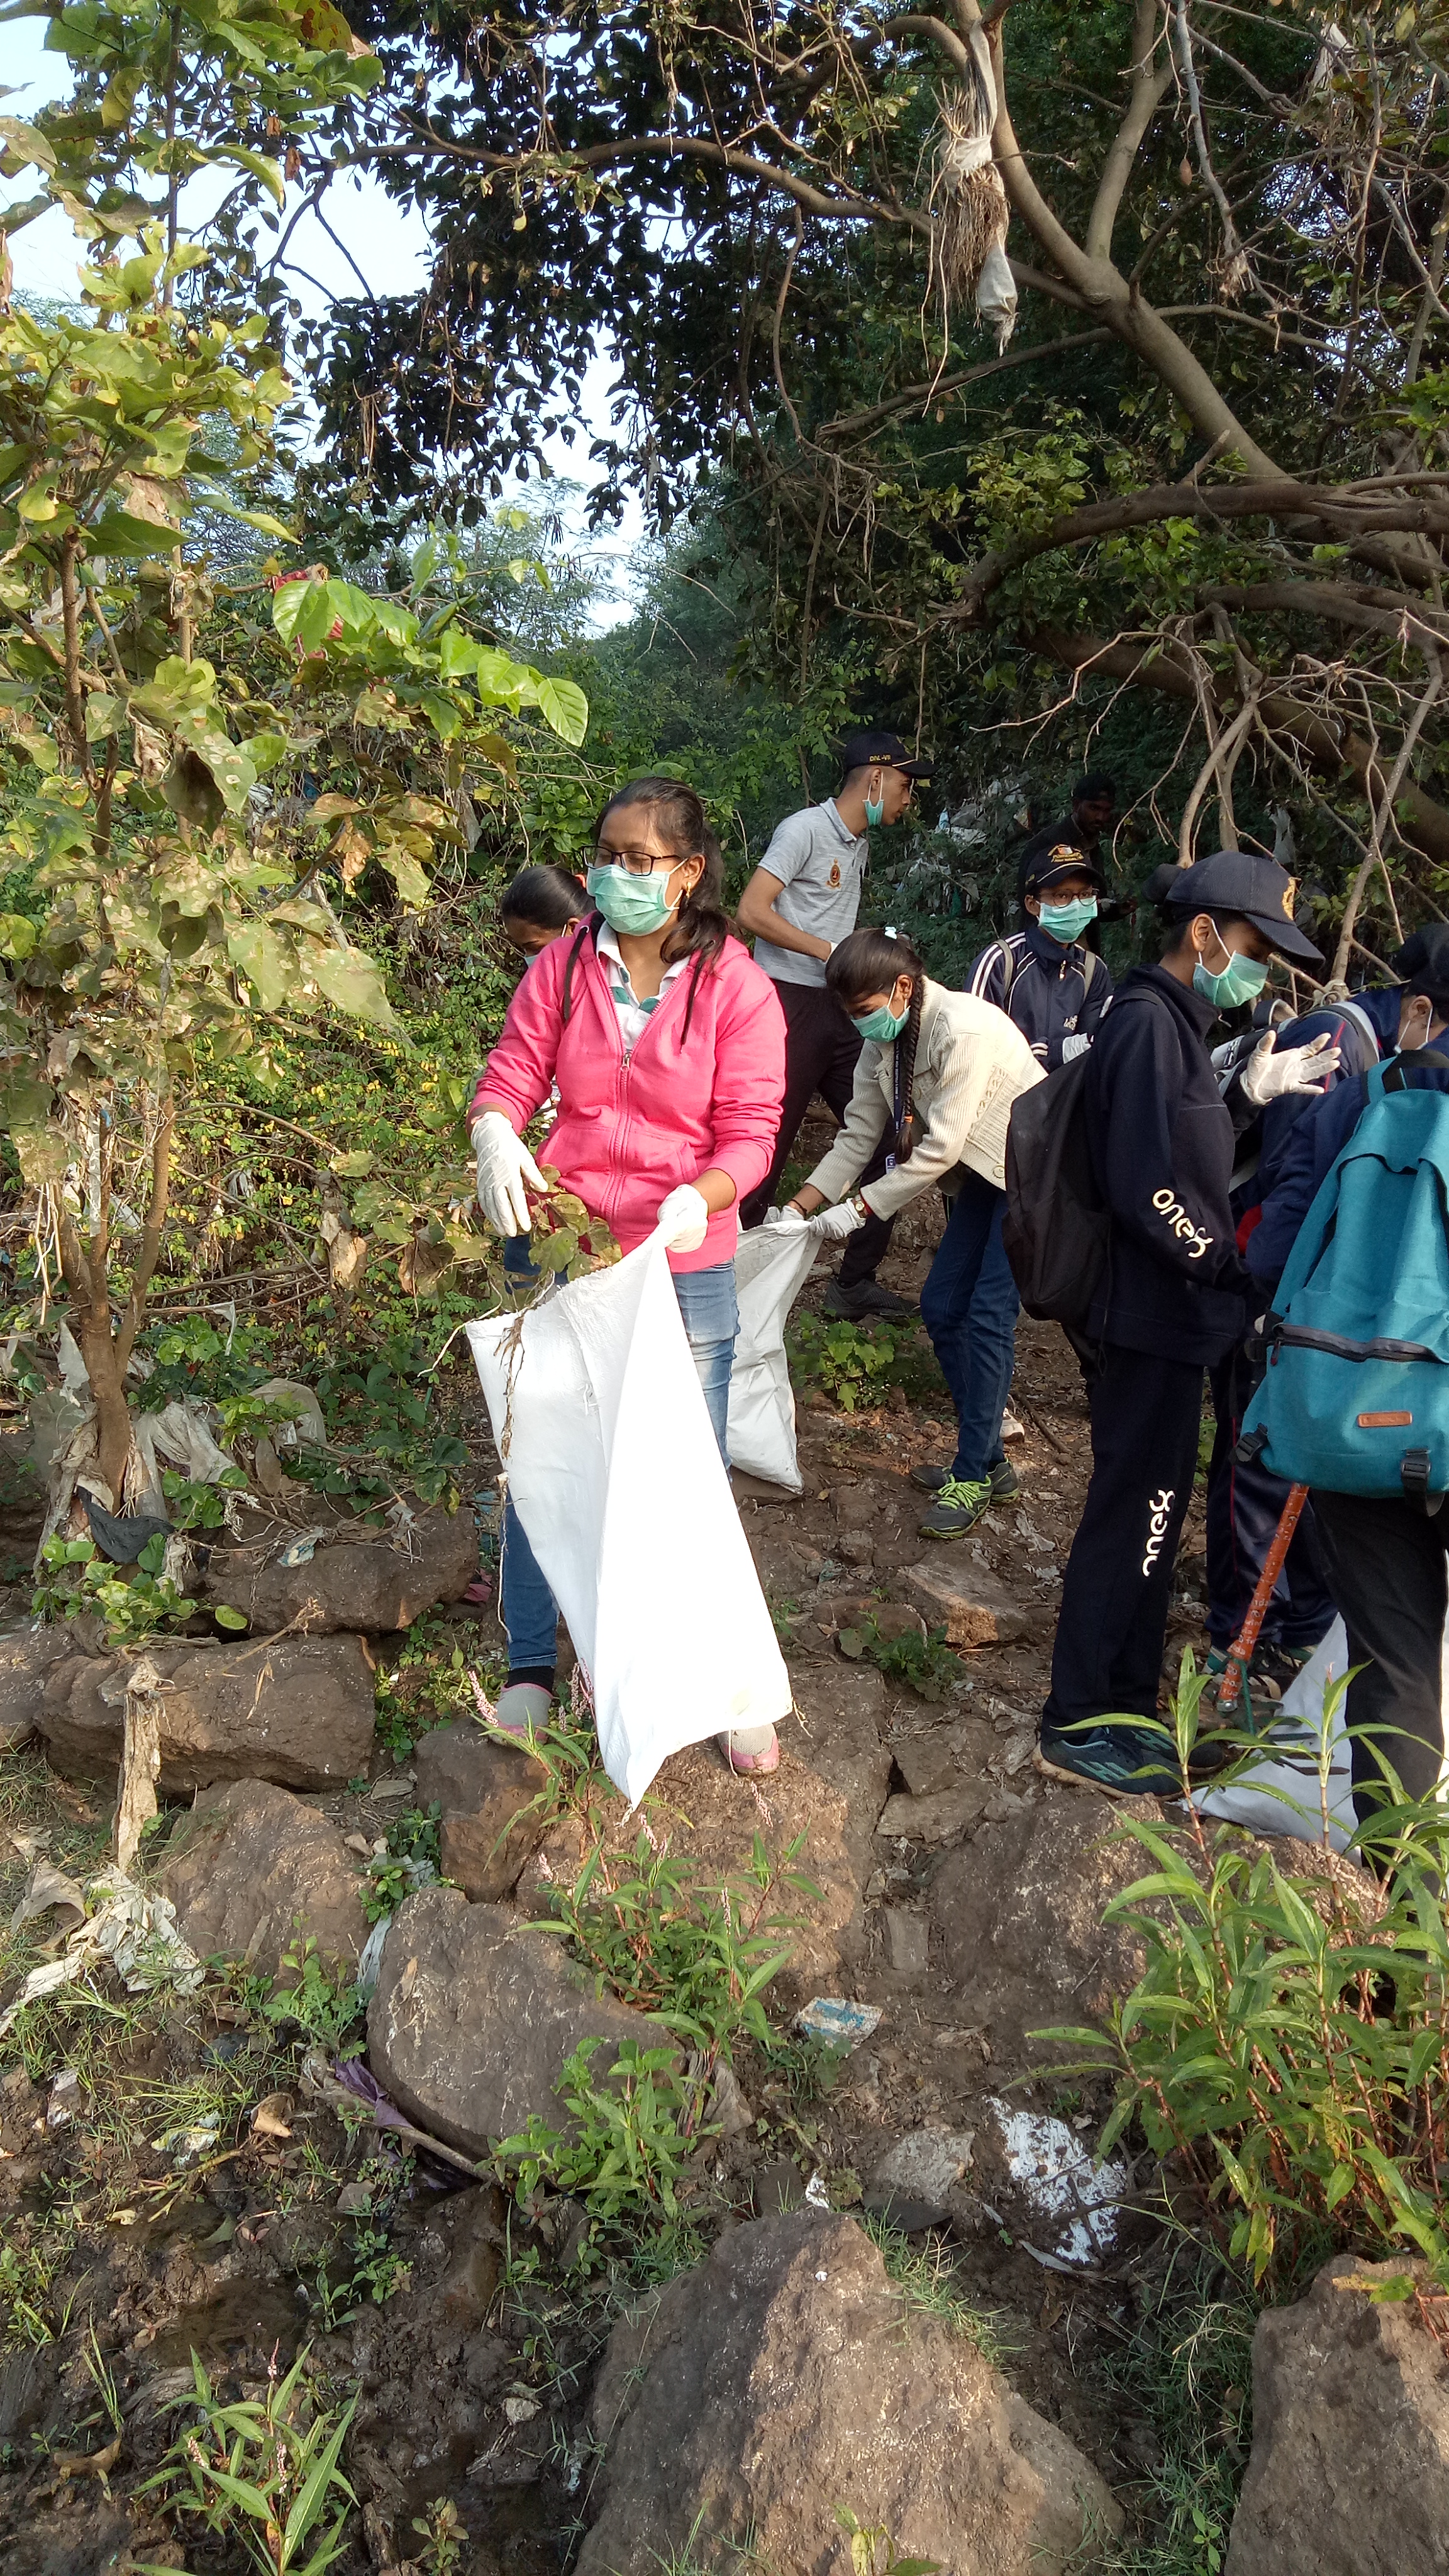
{"x": 882, "y": 751}
{"x": 1257, "y": 889}
{"x": 1049, "y": 867}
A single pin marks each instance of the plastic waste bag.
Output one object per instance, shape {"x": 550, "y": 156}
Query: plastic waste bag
{"x": 614, "y": 1471}
{"x": 1281, "y": 1793}
{"x": 771, "y": 1267}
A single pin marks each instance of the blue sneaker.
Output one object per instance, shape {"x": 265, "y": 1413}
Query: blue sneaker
{"x": 1124, "y": 1760}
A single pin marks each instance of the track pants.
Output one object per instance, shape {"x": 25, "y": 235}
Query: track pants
{"x": 1386, "y": 1563}
{"x": 821, "y": 1048}
{"x": 1107, "y": 1660}
{"x": 1244, "y": 1507}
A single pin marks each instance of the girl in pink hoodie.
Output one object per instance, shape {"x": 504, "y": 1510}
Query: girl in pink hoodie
{"x": 667, "y": 1046}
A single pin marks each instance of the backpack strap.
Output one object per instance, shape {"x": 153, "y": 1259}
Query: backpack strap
{"x": 1090, "y": 963}
{"x": 1394, "y": 1076}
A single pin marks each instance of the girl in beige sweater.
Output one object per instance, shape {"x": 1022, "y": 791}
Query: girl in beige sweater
{"x": 939, "y": 1071}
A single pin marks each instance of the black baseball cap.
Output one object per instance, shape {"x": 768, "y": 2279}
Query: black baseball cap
{"x": 1048, "y": 867}
{"x": 1258, "y": 889}
{"x": 882, "y": 751}
{"x": 1423, "y": 961}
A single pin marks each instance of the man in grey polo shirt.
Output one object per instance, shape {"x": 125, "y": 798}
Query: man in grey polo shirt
{"x": 800, "y": 903}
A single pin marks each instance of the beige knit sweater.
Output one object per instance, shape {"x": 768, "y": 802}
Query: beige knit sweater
{"x": 972, "y": 1062}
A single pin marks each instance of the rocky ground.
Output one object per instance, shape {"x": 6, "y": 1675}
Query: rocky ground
{"x": 182, "y": 2173}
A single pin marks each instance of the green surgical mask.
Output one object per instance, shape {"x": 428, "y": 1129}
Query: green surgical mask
{"x": 1063, "y": 921}
{"x": 634, "y": 905}
{"x": 874, "y": 814}
{"x": 1241, "y": 980}
{"x": 882, "y": 1025}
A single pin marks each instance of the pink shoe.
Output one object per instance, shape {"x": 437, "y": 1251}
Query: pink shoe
{"x": 751, "y": 1751}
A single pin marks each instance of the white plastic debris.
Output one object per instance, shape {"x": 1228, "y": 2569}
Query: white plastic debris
{"x": 135, "y": 1932}
{"x": 1077, "y": 2200}
{"x": 64, "y": 2101}
{"x": 840, "y": 2023}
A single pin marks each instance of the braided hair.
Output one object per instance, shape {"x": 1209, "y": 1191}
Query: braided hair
{"x": 871, "y": 961}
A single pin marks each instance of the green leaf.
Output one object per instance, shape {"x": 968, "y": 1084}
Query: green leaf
{"x": 268, "y": 963}
{"x": 118, "y": 532}
{"x": 209, "y": 496}
{"x": 564, "y": 706}
{"x": 411, "y": 880}
{"x": 27, "y": 142}
{"x": 352, "y": 982}
{"x": 353, "y": 1167}
{"x": 226, "y": 1617}
{"x": 442, "y": 715}
{"x": 18, "y": 936}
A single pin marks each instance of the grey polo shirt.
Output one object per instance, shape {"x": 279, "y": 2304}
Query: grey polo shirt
{"x": 820, "y": 866}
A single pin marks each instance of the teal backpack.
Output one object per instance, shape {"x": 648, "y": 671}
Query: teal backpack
{"x": 1356, "y": 1393}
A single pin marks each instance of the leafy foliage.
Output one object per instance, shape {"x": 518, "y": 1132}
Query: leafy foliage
{"x": 262, "y": 2474}
{"x": 926, "y": 1664}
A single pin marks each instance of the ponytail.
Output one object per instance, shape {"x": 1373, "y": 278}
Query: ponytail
{"x": 872, "y": 961}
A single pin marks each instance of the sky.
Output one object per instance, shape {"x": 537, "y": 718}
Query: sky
{"x": 390, "y": 245}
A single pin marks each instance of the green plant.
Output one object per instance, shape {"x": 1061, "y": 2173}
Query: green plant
{"x": 873, "y": 2551}
{"x": 1186, "y": 2372}
{"x": 925, "y": 1664}
{"x": 132, "y": 1606}
{"x": 852, "y": 1363}
{"x": 632, "y": 2132}
{"x": 199, "y": 1507}
{"x": 411, "y": 1862}
{"x": 1289, "y": 2039}
{"x": 315, "y": 2002}
{"x": 440, "y": 2528}
{"x": 694, "y": 1952}
{"x": 927, "y": 2277}
{"x": 260, "y": 2474}
{"x": 377, "y": 2274}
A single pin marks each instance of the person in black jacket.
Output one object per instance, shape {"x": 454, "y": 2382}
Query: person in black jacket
{"x": 1172, "y": 1296}
{"x": 1043, "y": 977}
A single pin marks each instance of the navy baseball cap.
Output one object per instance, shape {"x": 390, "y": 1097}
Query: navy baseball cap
{"x": 1424, "y": 960}
{"x": 882, "y": 751}
{"x": 1049, "y": 867}
{"x": 1258, "y": 889}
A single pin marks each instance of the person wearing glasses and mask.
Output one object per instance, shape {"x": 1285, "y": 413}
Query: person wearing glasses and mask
{"x": 801, "y": 902}
{"x": 666, "y": 1045}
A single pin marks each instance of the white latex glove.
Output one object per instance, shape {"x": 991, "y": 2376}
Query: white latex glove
{"x": 505, "y": 1165}
{"x": 1074, "y": 1046}
{"x": 791, "y": 1218}
{"x": 833, "y": 1224}
{"x": 683, "y": 1218}
{"x": 1272, "y": 1070}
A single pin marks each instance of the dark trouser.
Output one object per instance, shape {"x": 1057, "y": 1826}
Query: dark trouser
{"x": 821, "y": 1048}
{"x": 969, "y": 1306}
{"x": 1244, "y": 1507}
{"x": 1386, "y": 1563}
{"x": 1107, "y": 1660}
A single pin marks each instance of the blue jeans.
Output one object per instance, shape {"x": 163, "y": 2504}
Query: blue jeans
{"x": 969, "y": 1306}
{"x": 530, "y": 1613}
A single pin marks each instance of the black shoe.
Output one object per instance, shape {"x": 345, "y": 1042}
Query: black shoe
{"x": 1003, "y": 1478}
{"x": 865, "y": 1297}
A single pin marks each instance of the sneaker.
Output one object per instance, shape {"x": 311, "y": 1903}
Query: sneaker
{"x": 1119, "y": 1759}
{"x": 865, "y": 1297}
{"x": 958, "y": 1507}
{"x": 1003, "y": 1479}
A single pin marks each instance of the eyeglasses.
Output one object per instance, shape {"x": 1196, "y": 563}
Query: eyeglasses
{"x": 635, "y": 863}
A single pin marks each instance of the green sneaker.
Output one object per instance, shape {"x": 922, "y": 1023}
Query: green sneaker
{"x": 957, "y": 1508}
{"x": 1004, "y": 1480}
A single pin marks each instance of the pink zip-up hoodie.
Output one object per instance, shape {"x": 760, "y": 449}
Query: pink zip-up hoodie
{"x": 629, "y": 1130}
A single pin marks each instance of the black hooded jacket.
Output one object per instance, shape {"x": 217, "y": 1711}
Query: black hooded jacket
{"x": 1161, "y": 1143}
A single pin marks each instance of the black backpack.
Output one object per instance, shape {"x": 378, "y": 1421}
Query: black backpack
{"x": 1056, "y": 1225}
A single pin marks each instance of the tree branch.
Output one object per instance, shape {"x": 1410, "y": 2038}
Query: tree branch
{"x": 1148, "y": 89}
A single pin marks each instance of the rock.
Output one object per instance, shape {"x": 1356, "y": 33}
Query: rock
{"x": 914, "y": 2182}
{"x": 363, "y": 1584}
{"x": 856, "y": 1548}
{"x": 892, "y": 1618}
{"x": 961, "y": 1596}
{"x": 27, "y": 1658}
{"x": 715, "y": 1818}
{"x": 299, "y": 1711}
{"x": 927, "y": 1765}
{"x": 936, "y": 1819}
{"x": 22, "y": 1495}
{"x": 856, "y": 1507}
{"x": 251, "y": 1871}
{"x": 842, "y": 1708}
{"x": 1349, "y": 2473}
{"x": 788, "y": 2377}
{"x": 777, "y": 2187}
{"x": 908, "y": 1942}
{"x": 1019, "y": 1920}
{"x": 474, "y": 2016}
{"x": 729, "y": 2111}
{"x": 486, "y": 1791}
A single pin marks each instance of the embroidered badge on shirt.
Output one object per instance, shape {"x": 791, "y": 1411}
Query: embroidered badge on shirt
{"x": 835, "y": 872}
